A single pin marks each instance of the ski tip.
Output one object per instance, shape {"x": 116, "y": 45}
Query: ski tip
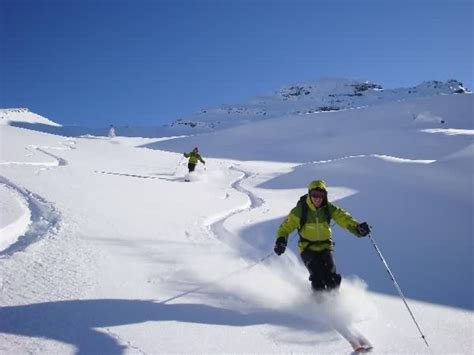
{"x": 362, "y": 349}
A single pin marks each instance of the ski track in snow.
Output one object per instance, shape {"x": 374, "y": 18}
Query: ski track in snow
{"x": 216, "y": 228}
{"x": 126, "y": 175}
{"x": 44, "y": 219}
{"x": 58, "y": 160}
{"x": 137, "y": 176}
{"x": 168, "y": 176}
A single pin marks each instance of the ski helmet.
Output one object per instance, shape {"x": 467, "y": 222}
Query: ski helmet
{"x": 317, "y": 185}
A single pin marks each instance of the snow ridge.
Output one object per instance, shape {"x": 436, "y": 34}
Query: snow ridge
{"x": 321, "y": 96}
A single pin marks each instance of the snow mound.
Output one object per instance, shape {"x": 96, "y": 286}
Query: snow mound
{"x": 11, "y": 115}
{"x": 15, "y": 216}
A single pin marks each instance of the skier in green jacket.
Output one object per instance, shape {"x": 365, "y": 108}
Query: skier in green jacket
{"x": 312, "y": 216}
{"x": 194, "y": 157}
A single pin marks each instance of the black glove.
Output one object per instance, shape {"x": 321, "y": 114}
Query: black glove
{"x": 363, "y": 229}
{"x": 280, "y": 246}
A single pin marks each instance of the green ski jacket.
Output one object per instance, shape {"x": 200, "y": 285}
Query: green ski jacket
{"x": 194, "y": 157}
{"x": 316, "y": 232}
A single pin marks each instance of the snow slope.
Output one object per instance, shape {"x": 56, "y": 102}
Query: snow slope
{"x": 108, "y": 250}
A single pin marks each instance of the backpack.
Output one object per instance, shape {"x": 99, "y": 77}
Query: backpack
{"x": 304, "y": 212}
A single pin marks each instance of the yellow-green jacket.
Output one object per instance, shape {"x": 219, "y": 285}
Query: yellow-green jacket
{"x": 316, "y": 232}
{"x": 194, "y": 157}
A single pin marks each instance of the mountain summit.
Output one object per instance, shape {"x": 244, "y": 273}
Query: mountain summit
{"x": 320, "y": 96}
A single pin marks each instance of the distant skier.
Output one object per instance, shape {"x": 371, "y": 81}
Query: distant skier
{"x": 312, "y": 216}
{"x": 194, "y": 157}
{"x": 111, "y": 132}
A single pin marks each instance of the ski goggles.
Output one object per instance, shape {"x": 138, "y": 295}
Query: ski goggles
{"x": 317, "y": 193}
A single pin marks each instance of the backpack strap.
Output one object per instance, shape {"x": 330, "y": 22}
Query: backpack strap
{"x": 304, "y": 211}
{"x": 328, "y": 213}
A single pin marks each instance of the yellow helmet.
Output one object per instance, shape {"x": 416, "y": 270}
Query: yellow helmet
{"x": 317, "y": 184}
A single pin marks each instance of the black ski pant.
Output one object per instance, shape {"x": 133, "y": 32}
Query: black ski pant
{"x": 191, "y": 167}
{"x": 322, "y": 269}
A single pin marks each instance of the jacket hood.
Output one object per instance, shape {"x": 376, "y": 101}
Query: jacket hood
{"x": 320, "y": 185}
{"x": 317, "y": 184}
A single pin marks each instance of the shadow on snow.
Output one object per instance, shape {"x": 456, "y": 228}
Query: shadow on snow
{"x": 74, "y": 322}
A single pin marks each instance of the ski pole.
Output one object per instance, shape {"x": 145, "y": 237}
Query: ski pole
{"x": 398, "y": 288}
{"x": 177, "y": 166}
{"x": 211, "y": 283}
{"x": 216, "y": 281}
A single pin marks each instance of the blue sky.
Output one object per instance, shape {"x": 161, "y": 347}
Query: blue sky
{"x": 149, "y": 62}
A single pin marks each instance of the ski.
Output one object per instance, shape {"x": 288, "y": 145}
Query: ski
{"x": 359, "y": 343}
